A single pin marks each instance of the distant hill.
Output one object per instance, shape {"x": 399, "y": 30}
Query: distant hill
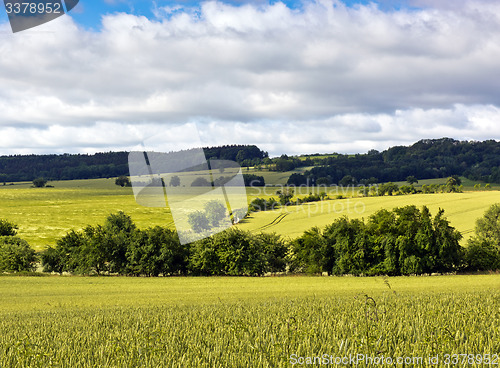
{"x": 100, "y": 165}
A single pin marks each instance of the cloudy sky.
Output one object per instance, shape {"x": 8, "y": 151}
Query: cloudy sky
{"x": 292, "y": 77}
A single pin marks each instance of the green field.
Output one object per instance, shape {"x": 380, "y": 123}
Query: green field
{"x": 46, "y": 214}
{"x": 243, "y": 322}
{"x": 461, "y": 209}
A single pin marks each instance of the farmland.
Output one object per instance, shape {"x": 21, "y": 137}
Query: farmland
{"x": 243, "y": 322}
{"x": 462, "y": 209}
{"x": 46, "y": 214}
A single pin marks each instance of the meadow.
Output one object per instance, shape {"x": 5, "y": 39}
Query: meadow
{"x": 461, "y": 209}
{"x": 56, "y": 321}
{"x": 46, "y": 214}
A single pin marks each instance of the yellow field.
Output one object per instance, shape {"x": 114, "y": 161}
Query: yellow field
{"x": 46, "y": 214}
{"x": 461, "y": 209}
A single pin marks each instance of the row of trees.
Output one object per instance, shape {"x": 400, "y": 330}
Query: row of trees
{"x": 119, "y": 247}
{"x": 102, "y": 165}
{"x": 399, "y": 242}
{"x": 403, "y": 241}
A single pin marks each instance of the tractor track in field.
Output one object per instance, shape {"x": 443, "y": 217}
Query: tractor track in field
{"x": 276, "y": 221}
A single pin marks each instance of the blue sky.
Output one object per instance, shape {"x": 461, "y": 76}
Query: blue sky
{"x": 314, "y": 76}
{"x": 88, "y": 13}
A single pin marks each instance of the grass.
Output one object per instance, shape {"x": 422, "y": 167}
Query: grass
{"x": 461, "y": 209}
{"x": 242, "y": 322}
{"x": 46, "y": 214}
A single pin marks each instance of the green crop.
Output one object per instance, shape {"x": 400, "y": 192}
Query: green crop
{"x": 242, "y": 322}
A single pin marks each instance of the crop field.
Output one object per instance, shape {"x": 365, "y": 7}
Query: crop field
{"x": 246, "y": 322}
{"x": 46, "y": 214}
{"x": 461, "y": 209}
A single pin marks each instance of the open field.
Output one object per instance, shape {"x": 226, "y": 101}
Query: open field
{"x": 244, "y": 322}
{"x": 46, "y": 214}
{"x": 461, "y": 209}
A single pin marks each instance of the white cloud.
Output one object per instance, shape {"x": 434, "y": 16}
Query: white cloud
{"x": 324, "y": 78}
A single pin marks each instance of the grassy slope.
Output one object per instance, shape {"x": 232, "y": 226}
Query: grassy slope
{"x": 462, "y": 209}
{"x": 46, "y": 214}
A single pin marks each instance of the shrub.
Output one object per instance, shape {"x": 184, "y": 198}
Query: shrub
{"x": 39, "y": 182}
{"x": 481, "y": 256}
{"x": 123, "y": 181}
{"x": 7, "y": 228}
{"x": 16, "y": 255}
{"x": 198, "y": 221}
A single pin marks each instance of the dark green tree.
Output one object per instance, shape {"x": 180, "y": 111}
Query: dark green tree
{"x": 39, "y": 182}
{"x": 347, "y": 181}
{"x": 483, "y": 249}
{"x": 411, "y": 180}
{"x": 7, "y": 228}
{"x": 16, "y": 255}
{"x": 123, "y": 181}
{"x": 215, "y": 211}
{"x": 156, "y": 251}
{"x": 285, "y": 195}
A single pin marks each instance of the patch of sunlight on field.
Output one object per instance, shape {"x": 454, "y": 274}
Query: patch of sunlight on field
{"x": 461, "y": 209}
{"x": 46, "y": 214}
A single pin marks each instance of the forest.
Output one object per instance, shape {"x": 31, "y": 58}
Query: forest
{"x": 426, "y": 159}
{"x": 17, "y": 168}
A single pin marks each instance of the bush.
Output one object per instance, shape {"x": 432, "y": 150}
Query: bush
{"x": 156, "y": 251}
{"x": 123, "y": 181}
{"x": 235, "y": 252}
{"x": 39, "y": 182}
{"x": 7, "y": 228}
{"x": 16, "y": 255}
{"x": 52, "y": 260}
{"x": 481, "y": 256}
{"x": 198, "y": 221}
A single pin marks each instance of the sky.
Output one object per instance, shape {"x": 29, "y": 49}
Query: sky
{"x": 291, "y": 77}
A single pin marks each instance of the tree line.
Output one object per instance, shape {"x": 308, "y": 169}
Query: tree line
{"x": 426, "y": 159}
{"x": 15, "y": 168}
{"x": 403, "y": 241}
